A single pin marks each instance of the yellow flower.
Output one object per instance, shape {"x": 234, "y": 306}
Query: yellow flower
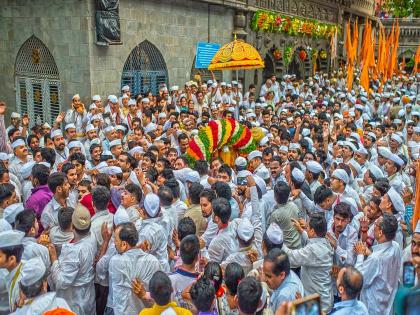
{"x": 228, "y": 132}
{"x": 210, "y": 137}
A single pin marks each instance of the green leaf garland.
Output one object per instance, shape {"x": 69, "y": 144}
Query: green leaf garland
{"x": 273, "y": 22}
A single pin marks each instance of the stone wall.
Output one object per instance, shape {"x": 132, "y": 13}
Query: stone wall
{"x": 173, "y": 26}
{"x": 67, "y": 28}
{"x": 60, "y": 25}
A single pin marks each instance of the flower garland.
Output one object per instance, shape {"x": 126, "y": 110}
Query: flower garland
{"x": 295, "y": 26}
{"x": 302, "y": 55}
{"x": 288, "y": 55}
{"x": 220, "y": 134}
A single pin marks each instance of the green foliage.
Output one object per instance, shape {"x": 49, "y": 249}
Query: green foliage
{"x": 403, "y": 8}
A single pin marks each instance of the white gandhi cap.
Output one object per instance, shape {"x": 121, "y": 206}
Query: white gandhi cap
{"x": 245, "y": 230}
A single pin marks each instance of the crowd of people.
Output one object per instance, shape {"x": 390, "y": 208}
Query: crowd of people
{"x": 102, "y": 213}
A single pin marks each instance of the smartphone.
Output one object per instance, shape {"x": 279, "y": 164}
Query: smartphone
{"x": 241, "y": 181}
{"x": 309, "y": 305}
{"x": 409, "y": 274}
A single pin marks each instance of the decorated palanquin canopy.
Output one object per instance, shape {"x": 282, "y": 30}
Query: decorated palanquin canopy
{"x": 236, "y": 55}
{"x": 225, "y": 138}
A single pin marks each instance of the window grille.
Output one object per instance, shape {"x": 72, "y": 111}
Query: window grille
{"x": 38, "y": 88}
{"x": 145, "y": 69}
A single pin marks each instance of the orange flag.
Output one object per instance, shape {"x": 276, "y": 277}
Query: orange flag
{"x": 364, "y": 77}
{"x": 388, "y": 51}
{"x": 381, "y": 51}
{"x": 355, "y": 43}
{"x": 350, "y": 45}
{"x": 394, "y": 57}
{"x": 365, "y": 42}
{"x": 416, "y": 67}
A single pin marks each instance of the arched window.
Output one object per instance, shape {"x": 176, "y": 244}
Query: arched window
{"x": 38, "y": 88}
{"x": 269, "y": 68}
{"x": 144, "y": 69}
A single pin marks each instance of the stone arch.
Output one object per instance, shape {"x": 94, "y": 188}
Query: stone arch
{"x": 37, "y": 80}
{"x": 270, "y": 66}
{"x": 297, "y": 66}
{"x": 145, "y": 69}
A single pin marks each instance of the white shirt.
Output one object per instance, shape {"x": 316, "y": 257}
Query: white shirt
{"x": 152, "y": 231}
{"x": 211, "y": 231}
{"x": 4, "y": 296}
{"x": 32, "y": 249}
{"x": 344, "y": 253}
{"x": 13, "y": 286}
{"x": 100, "y": 217}
{"x": 41, "y": 304}
{"x": 26, "y": 190}
{"x": 72, "y": 276}
{"x": 180, "y": 208}
{"x": 49, "y": 216}
{"x": 380, "y": 277}
{"x": 316, "y": 259}
{"x": 123, "y": 269}
{"x": 102, "y": 266}
{"x": 224, "y": 243}
{"x": 181, "y": 279}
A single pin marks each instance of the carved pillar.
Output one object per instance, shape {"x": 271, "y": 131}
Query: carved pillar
{"x": 239, "y": 25}
{"x": 239, "y": 29}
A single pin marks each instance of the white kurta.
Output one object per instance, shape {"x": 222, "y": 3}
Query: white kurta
{"x": 32, "y": 249}
{"x": 123, "y": 269}
{"x": 12, "y": 284}
{"x": 72, "y": 276}
{"x": 96, "y": 225}
{"x": 316, "y": 259}
{"x": 153, "y": 232}
{"x": 380, "y": 277}
{"x": 41, "y": 304}
{"x": 49, "y": 216}
{"x": 4, "y": 296}
{"x": 224, "y": 243}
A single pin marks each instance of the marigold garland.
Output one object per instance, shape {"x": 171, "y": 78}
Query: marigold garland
{"x": 223, "y": 124}
{"x": 205, "y": 140}
{"x": 196, "y": 149}
{"x": 274, "y": 22}
{"x": 244, "y": 139}
{"x": 214, "y": 129}
{"x": 209, "y": 135}
{"x": 218, "y": 134}
{"x": 236, "y": 133}
{"x": 228, "y": 131}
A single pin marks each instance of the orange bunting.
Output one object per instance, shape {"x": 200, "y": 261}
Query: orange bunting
{"x": 350, "y": 45}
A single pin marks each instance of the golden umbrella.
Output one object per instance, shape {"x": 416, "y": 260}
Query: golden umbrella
{"x": 236, "y": 55}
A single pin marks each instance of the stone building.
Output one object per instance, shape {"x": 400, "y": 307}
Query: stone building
{"x": 49, "y": 49}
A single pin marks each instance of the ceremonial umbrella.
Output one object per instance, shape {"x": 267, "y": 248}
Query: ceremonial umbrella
{"x": 236, "y": 55}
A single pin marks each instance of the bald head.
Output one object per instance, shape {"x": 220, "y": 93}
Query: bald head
{"x": 351, "y": 281}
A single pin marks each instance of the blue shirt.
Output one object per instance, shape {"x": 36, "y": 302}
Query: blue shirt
{"x": 286, "y": 291}
{"x": 353, "y": 307}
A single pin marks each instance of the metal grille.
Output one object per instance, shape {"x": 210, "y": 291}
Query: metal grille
{"x": 145, "y": 69}
{"x": 35, "y": 60}
{"x": 38, "y": 88}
